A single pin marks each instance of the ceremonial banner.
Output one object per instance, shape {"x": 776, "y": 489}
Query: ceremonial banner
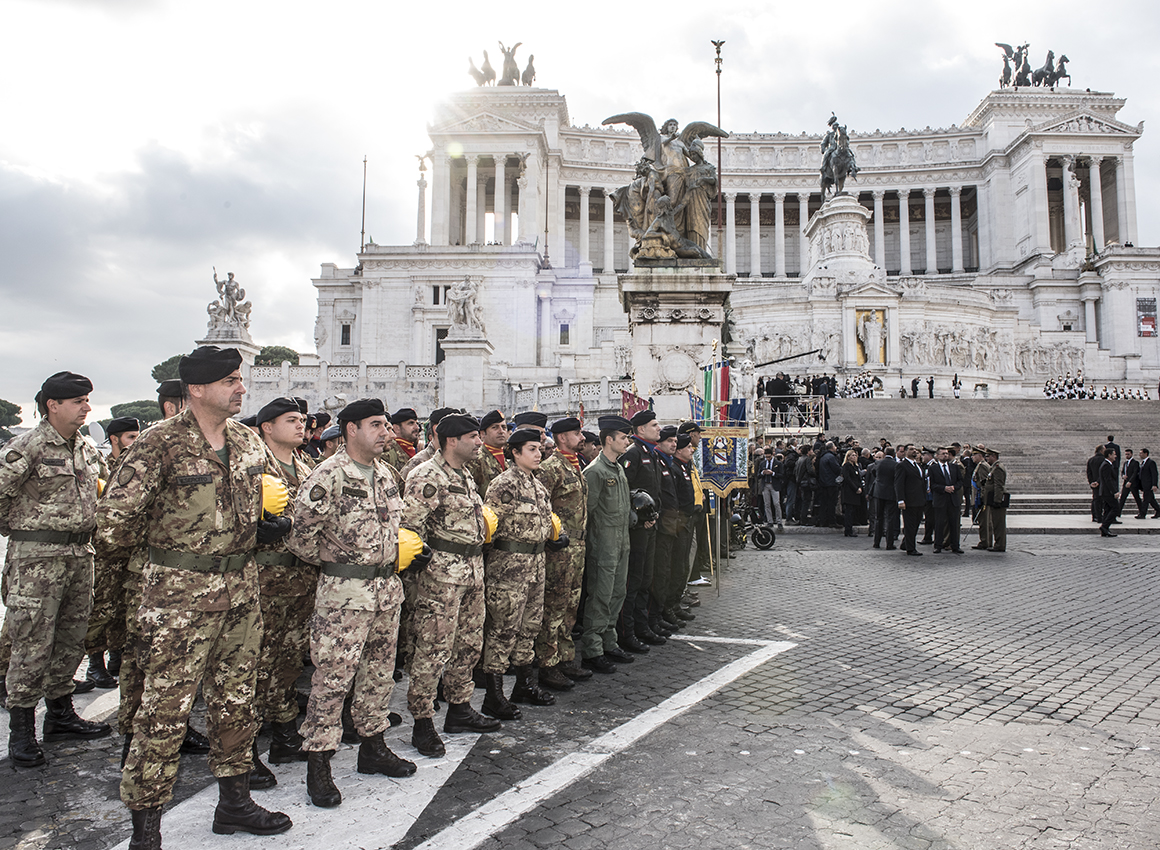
{"x": 723, "y": 460}
{"x": 696, "y": 407}
{"x": 632, "y": 404}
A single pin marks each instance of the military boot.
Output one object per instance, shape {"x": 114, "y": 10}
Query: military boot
{"x": 61, "y": 721}
{"x": 260, "y": 776}
{"x": 285, "y": 743}
{"x": 374, "y": 756}
{"x": 237, "y": 812}
{"x": 98, "y": 674}
{"x": 554, "y": 678}
{"x": 23, "y": 749}
{"x": 146, "y": 829}
{"x": 461, "y": 717}
{"x": 527, "y": 691}
{"x": 677, "y": 614}
{"x": 574, "y": 671}
{"x": 425, "y": 739}
{"x": 349, "y": 733}
{"x": 3, "y": 692}
{"x": 114, "y": 665}
{"x": 194, "y": 743}
{"x": 319, "y": 783}
{"x": 495, "y": 703}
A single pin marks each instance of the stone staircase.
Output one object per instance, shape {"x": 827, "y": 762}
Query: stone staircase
{"x": 1045, "y": 444}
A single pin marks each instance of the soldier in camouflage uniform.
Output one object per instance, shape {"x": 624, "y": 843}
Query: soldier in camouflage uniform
{"x": 514, "y": 578}
{"x": 107, "y": 620}
{"x": 346, "y": 520}
{"x": 286, "y": 595}
{"x": 442, "y": 507}
{"x": 48, "y": 505}
{"x": 490, "y": 461}
{"x": 402, "y": 448}
{"x": 564, "y": 569}
{"x": 428, "y": 451}
{"x": 191, "y": 489}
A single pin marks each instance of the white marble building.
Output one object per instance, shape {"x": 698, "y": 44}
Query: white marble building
{"x": 1001, "y": 250}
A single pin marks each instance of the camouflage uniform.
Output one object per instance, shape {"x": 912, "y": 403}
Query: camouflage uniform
{"x": 286, "y": 596}
{"x": 199, "y": 618}
{"x": 564, "y": 570}
{"x": 442, "y": 507}
{"x": 607, "y": 545}
{"x": 983, "y": 518}
{"x": 483, "y": 468}
{"x": 423, "y": 456}
{"x": 396, "y": 456}
{"x": 131, "y": 679}
{"x": 514, "y": 569}
{"x": 48, "y": 507}
{"x": 349, "y": 527}
{"x": 107, "y": 621}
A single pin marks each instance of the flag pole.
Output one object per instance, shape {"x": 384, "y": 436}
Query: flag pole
{"x": 720, "y": 242}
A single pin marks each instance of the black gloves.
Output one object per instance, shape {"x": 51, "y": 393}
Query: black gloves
{"x": 559, "y": 543}
{"x": 420, "y": 561}
{"x": 272, "y": 528}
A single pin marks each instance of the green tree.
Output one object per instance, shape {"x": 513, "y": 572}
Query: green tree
{"x": 145, "y": 410}
{"x": 9, "y": 415}
{"x": 273, "y": 355}
{"x": 166, "y": 370}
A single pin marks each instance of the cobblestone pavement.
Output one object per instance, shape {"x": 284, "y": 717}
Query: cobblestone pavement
{"x": 977, "y": 701}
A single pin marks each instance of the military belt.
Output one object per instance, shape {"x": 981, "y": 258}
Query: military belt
{"x": 275, "y": 559}
{"x": 518, "y": 546}
{"x": 79, "y": 538}
{"x": 198, "y": 563}
{"x": 468, "y": 549}
{"x": 360, "y": 571}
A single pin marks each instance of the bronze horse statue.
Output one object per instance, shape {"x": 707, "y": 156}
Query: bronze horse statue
{"x": 841, "y": 165}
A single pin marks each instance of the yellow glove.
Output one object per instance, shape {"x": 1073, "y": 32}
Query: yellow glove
{"x": 275, "y": 496}
{"x": 412, "y": 550}
{"x": 557, "y": 527}
{"x": 491, "y": 521}
{"x": 100, "y": 487}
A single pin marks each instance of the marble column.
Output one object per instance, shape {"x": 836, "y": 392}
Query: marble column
{"x": 1072, "y": 234}
{"x": 730, "y": 233}
{"x": 904, "y": 232}
{"x": 779, "y": 234}
{"x": 471, "y": 228}
{"x": 1125, "y": 199}
{"x": 421, "y": 219}
{"x": 481, "y": 209}
{"x": 1096, "y": 193}
{"x": 956, "y": 229}
{"x": 803, "y": 240}
{"x": 609, "y": 234}
{"x": 931, "y": 250}
{"x": 585, "y": 247}
{"x": 561, "y": 221}
{"x": 1130, "y": 196}
{"x": 531, "y": 214}
{"x": 440, "y": 197}
{"x": 879, "y": 230}
{"x": 1040, "y": 216}
{"x": 1091, "y": 331}
{"x": 755, "y": 234}
{"x": 499, "y": 219}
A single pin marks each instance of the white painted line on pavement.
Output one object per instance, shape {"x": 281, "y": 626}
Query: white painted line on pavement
{"x": 473, "y": 829}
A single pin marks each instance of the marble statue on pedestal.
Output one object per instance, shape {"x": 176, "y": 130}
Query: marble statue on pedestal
{"x": 230, "y": 312}
{"x": 463, "y": 309}
{"x": 838, "y": 161}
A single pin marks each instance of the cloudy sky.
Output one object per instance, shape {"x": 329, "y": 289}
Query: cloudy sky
{"x": 146, "y": 141}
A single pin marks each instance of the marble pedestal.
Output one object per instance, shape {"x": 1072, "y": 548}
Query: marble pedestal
{"x": 465, "y": 363}
{"x": 675, "y": 311}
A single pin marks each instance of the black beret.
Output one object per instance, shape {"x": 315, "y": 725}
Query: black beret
{"x": 303, "y": 405}
{"x": 456, "y": 425}
{"x": 668, "y": 432}
{"x": 403, "y": 414}
{"x": 589, "y": 437}
{"x": 318, "y": 420}
{"x": 362, "y": 409}
{"x": 331, "y": 433}
{"x": 276, "y": 408}
{"x": 208, "y": 364}
{"x": 438, "y": 413}
{"x": 531, "y": 417}
{"x": 563, "y": 426}
{"x": 523, "y": 435}
{"x": 614, "y": 423}
{"x": 64, "y": 385}
{"x": 170, "y": 388}
{"x": 250, "y": 421}
{"x": 121, "y": 425}
{"x": 494, "y": 417}
{"x": 683, "y": 440}
{"x": 642, "y": 418}
{"x": 686, "y": 427}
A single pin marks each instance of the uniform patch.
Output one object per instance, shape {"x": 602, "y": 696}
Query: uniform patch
{"x": 126, "y": 474}
{"x": 394, "y": 491}
{"x": 193, "y": 479}
{"x": 455, "y": 488}
{"x": 610, "y": 482}
{"x": 317, "y": 492}
{"x": 506, "y": 498}
{"x": 429, "y": 491}
{"x": 54, "y": 461}
{"x": 255, "y": 470}
{"x": 12, "y": 457}
{"x": 351, "y": 491}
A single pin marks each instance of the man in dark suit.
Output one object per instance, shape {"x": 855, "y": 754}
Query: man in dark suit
{"x": 1093, "y": 476}
{"x": 885, "y": 501}
{"x": 1108, "y": 492}
{"x": 925, "y": 458}
{"x": 1112, "y": 445}
{"x": 910, "y": 494}
{"x": 946, "y": 487}
{"x": 1149, "y": 481}
{"x": 1131, "y": 485}
{"x": 914, "y": 388}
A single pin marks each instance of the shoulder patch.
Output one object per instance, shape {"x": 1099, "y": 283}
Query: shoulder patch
{"x": 429, "y": 491}
{"x": 317, "y": 492}
{"x": 12, "y": 456}
{"x": 126, "y": 474}
{"x": 506, "y": 497}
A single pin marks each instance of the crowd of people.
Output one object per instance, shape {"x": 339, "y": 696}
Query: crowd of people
{"x": 1077, "y": 387}
{"x": 209, "y": 556}
{"x": 892, "y": 489}
{"x": 1111, "y": 484}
